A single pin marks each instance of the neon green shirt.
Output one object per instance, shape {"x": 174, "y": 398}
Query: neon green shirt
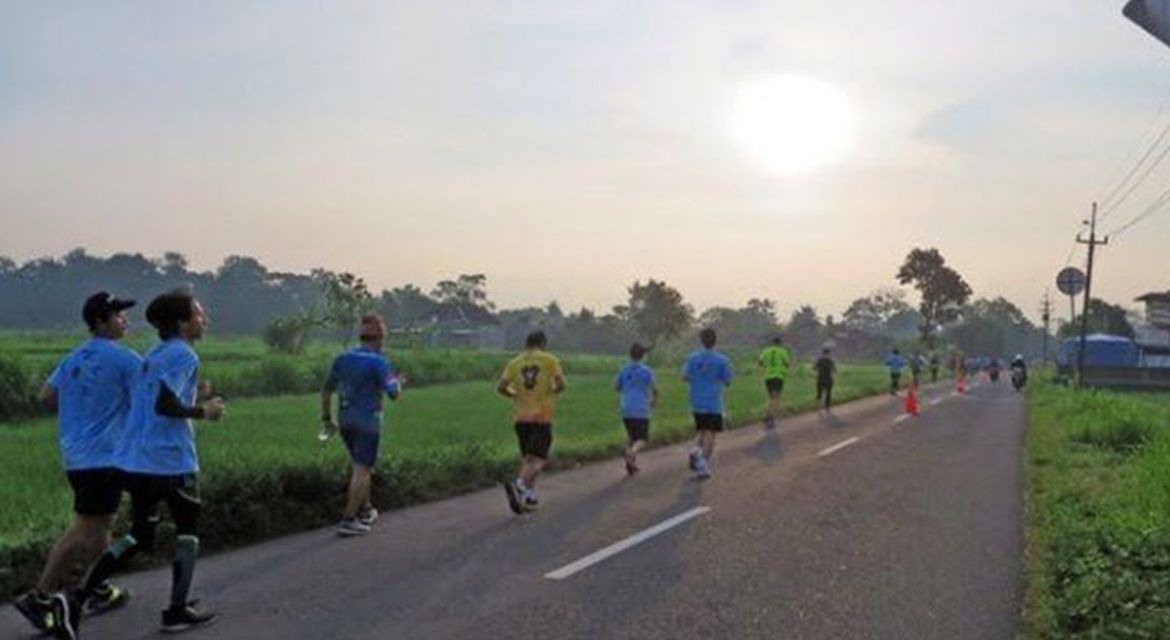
{"x": 775, "y": 360}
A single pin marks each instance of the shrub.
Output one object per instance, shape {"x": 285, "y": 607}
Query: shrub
{"x": 17, "y": 395}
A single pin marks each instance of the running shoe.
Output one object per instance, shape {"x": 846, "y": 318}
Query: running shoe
{"x": 514, "y": 501}
{"x": 66, "y": 616}
{"x": 37, "y": 610}
{"x": 531, "y": 501}
{"x": 702, "y": 470}
{"x": 107, "y": 597}
{"x": 693, "y": 463}
{"x": 352, "y": 527}
{"x": 769, "y": 423}
{"x": 631, "y": 464}
{"x": 368, "y": 516}
{"x": 185, "y": 617}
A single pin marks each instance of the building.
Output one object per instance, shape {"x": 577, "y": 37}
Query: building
{"x": 1157, "y": 309}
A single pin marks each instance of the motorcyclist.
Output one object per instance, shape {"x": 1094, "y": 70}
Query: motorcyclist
{"x": 1019, "y": 371}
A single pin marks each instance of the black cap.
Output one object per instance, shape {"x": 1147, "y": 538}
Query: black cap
{"x": 100, "y": 306}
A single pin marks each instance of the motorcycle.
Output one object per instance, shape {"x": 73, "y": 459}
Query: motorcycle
{"x": 1019, "y": 378}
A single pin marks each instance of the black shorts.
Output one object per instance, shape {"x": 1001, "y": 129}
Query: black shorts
{"x": 637, "y": 428}
{"x": 708, "y": 422}
{"x": 361, "y": 445}
{"x": 96, "y": 492}
{"x": 180, "y": 493}
{"x": 535, "y": 439}
{"x": 775, "y": 386}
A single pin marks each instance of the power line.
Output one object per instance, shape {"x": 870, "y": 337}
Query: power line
{"x": 1154, "y": 207}
{"x": 1150, "y": 169}
{"x": 1106, "y": 202}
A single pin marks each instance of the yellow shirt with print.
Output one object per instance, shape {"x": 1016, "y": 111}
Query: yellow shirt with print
{"x": 531, "y": 376}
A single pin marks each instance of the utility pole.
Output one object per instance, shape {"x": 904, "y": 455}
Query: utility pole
{"x": 1046, "y": 316}
{"x": 1092, "y": 242}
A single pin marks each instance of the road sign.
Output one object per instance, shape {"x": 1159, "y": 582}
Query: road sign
{"x": 1151, "y": 15}
{"x": 1070, "y": 281}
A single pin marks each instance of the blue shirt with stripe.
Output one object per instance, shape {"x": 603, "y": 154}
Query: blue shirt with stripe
{"x": 361, "y": 376}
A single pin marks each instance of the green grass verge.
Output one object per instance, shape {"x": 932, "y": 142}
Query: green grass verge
{"x": 264, "y": 474}
{"x": 1098, "y": 559}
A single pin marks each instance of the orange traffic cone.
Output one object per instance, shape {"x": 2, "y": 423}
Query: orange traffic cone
{"x": 912, "y": 400}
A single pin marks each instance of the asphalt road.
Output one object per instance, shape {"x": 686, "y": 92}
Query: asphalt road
{"x": 862, "y": 524}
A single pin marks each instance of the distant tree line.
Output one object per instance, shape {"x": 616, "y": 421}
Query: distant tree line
{"x": 288, "y": 309}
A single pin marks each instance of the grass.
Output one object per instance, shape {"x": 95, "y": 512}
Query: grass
{"x": 264, "y": 474}
{"x": 1098, "y": 515}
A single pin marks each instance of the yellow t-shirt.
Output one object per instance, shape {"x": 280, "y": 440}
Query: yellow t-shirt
{"x": 531, "y": 375}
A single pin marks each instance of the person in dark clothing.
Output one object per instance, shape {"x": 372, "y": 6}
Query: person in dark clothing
{"x": 826, "y": 370}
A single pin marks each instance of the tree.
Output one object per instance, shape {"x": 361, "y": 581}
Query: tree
{"x": 881, "y": 313}
{"x": 1103, "y": 318}
{"x": 467, "y": 289}
{"x": 942, "y": 289}
{"x": 346, "y": 298}
{"x": 656, "y": 311}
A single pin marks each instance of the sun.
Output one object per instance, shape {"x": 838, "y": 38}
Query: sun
{"x": 793, "y": 123}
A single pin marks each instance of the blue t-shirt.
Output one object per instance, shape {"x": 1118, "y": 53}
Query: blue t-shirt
{"x": 708, "y": 372}
{"x": 360, "y": 377}
{"x": 154, "y": 443}
{"x": 93, "y": 384}
{"x": 896, "y": 363}
{"x": 635, "y": 381}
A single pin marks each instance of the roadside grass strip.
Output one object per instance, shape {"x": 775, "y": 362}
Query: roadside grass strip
{"x": 612, "y": 550}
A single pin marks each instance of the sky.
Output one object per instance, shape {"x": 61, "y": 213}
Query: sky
{"x": 568, "y": 149}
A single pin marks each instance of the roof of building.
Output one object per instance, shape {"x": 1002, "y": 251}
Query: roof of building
{"x": 1155, "y": 296}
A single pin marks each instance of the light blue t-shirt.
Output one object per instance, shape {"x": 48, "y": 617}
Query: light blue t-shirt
{"x": 154, "y": 443}
{"x": 360, "y": 377}
{"x": 708, "y": 372}
{"x": 635, "y": 381}
{"x": 93, "y": 384}
{"x": 896, "y": 363}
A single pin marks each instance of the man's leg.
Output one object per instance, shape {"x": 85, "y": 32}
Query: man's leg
{"x": 86, "y": 538}
{"x": 184, "y": 505}
{"x": 828, "y": 395}
{"x": 358, "y": 492}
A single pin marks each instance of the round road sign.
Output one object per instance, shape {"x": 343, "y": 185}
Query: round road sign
{"x": 1070, "y": 281}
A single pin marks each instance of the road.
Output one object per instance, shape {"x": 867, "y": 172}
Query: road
{"x": 862, "y": 524}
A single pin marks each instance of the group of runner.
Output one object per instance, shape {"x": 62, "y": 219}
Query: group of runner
{"x": 125, "y": 426}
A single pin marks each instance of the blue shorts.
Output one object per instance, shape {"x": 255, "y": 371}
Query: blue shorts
{"x": 362, "y": 445}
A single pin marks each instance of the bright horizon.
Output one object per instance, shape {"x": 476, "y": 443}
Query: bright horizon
{"x": 567, "y": 151}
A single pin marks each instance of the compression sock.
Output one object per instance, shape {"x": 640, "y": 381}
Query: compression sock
{"x": 111, "y": 559}
{"x": 183, "y": 569}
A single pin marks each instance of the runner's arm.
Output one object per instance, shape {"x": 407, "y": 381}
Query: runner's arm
{"x": 49, "y": 397}
{"x": 169, "y": 405}
{"x": 504, "y": 388}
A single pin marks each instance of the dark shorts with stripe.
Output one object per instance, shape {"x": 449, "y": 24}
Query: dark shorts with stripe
{"x": 708, "y": 422}
{"x": 96, "y": 492}
{"x": 362, "y": 445}
{"x": 179, "y": 492}
{"x": 535, "y": 439}
{"x": 775, "y": 386}
{"x": 637, "y": 428}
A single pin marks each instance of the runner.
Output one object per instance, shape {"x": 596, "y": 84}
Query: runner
{"x": 707, "y": 372}
{"x": 158, "y": 457}
{"x": 775, "y": 359}
{"x": 360, "y": 377}
{"x": 532, "y": 380}
{"x": 934, "y": 363}
{"x": 639, "y": 394}
{"x": 895, "y": 363}
{"x": 826, "y": 371}
{"x": 90, "y": 391}
{"x": 917, "y": 362}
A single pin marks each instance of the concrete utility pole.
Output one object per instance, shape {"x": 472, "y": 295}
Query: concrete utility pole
{"x": 1092, "y": 242}
{"x": 1046, "y": 316}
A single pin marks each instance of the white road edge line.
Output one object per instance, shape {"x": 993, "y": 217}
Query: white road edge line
{"x": 936, "y": 401}
{"x": 902, "y": 418}
{"x": 837, "y": 447}
{"x": 622, "y": 545}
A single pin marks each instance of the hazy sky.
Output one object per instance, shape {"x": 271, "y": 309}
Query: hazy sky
{"x": 567, "y": 149}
